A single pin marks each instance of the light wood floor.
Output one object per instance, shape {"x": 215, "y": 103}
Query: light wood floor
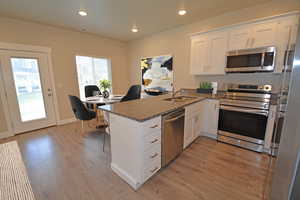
{"x": 62, "y": 165}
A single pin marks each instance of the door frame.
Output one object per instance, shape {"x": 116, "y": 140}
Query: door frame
{"x": 27, "y": 48}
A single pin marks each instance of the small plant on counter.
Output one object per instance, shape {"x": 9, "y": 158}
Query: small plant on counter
{"x": 205, "y": 87}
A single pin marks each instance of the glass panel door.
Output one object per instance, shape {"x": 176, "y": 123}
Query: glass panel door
{"x": 28, "y": 88}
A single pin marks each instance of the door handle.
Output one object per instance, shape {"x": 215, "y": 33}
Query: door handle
{"x": 155, "y": 126}
{"x": 153, "y": 156}
{"x": 252, "y": 43}
{"x": 247, "y": 42}
{"x": 246, "y": 110}
{"x": 153, "y": 170}
{"x": 153, "y": 141}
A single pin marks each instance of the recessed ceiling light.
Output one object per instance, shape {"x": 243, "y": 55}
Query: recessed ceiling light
{"x": 181, "y": 12}
{"x": 82, "y": 13}
{"x": 135, "y": 30}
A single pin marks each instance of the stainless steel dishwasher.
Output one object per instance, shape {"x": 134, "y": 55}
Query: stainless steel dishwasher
{"x": 172, "y": 135}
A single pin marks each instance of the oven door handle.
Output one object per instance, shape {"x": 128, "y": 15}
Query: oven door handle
{"x": 245, "y": 110}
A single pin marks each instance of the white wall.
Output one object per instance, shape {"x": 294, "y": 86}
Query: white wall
{"x": 65, "y": 44}
{"x": 177, "y": 42}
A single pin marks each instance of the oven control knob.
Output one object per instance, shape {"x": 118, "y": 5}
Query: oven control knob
{"x": 267, "y": 88}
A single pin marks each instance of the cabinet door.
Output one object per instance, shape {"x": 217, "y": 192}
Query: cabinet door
{"x": 199, "y": 54}
{"x": 239, "y": 38}
{"x": 211, "y": 117}
{"x": 218, "y": 49}
{"x": 197, "y": 125}
{"x": 263, "y": 35}
{"x": 188, "y": 132}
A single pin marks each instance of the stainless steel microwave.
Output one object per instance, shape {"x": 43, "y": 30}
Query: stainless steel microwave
{"x": 251, "y": 60}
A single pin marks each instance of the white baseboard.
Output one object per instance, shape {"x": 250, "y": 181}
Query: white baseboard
{"x": 66, "y": 121}
{"x": 125, "y": 176}
{"x": 210, "y": 135}
{"x": 5, "y": 134}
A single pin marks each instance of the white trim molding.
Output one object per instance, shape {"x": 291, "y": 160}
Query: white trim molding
{"x": 5, "y": 104}
{"x": 24, "y": 47}
{"x": 131, "y": 181}
{"x": 257, "y": 20}
{"x": 210, "y": 135}
{"x": 66, "y": 121}
{"x": 6, "y": 134}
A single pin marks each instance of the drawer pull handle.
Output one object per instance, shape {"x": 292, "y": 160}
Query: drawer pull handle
{"x": 153, "y": 141}
{"x": 155, "y": 126}
{"x": 153, "y": 156}
{"x": 153, "y": 170}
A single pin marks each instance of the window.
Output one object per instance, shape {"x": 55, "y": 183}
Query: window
{"x": 91, "y": 70}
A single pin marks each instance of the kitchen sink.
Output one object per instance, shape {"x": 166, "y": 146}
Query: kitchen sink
{"x": 180, "y": 98}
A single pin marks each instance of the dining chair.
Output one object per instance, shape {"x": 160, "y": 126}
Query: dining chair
{"x": 133, "y": 93}
{"x": 82, "y": 113}
{"x": 89, "y": 91}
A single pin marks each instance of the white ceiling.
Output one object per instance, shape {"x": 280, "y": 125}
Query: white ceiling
{"x": 115, "y": 18}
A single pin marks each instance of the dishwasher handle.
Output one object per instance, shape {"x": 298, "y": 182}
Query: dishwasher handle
{"x": 174, "y": 119}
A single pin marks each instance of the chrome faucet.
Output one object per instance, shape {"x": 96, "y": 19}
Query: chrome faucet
{"x": 175, "y": 92}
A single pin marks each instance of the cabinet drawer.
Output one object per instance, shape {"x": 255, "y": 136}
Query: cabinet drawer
{"x": 151, "y": 125}
{"x": 152, "y": 139}
{"x": 153, "y": 154}
{"x": 151, "y": 169}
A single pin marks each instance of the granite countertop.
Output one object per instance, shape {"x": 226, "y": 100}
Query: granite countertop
{"x": 147, "y": 108}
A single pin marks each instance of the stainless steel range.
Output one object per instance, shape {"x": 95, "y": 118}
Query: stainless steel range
{"x": 243, "y": 116}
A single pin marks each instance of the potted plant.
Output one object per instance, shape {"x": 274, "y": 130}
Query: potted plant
{"x": 105, "y": 86}
{"x": 205, "y": 87}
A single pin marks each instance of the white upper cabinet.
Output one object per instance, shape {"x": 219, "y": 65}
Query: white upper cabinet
{"x": 239, "y": 38}
{"x": 218, "y": 49}
{"x": 199, "y": 54}
{"x": 263, "y": 35}
{"x": 208, "y": 53}
{"x": 252, "y": 36}
{"x": 208, "y": 50}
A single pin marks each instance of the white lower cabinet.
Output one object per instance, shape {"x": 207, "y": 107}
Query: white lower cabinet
{"x": 201, "y": 118}
{"x": 193, "y": 122}
{"x": 135, "y": 148}
{"x": 210, "y": 118}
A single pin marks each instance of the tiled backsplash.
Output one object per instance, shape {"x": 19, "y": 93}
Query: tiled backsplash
{"x": 247, "y": 78}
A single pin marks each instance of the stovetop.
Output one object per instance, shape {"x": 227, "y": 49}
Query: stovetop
{"x": 250, "y": 96}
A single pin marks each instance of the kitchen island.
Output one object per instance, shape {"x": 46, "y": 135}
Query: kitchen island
{"x": 136, "y": 133}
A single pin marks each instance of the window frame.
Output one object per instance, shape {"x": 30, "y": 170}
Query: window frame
{"x": 109, "y": 65}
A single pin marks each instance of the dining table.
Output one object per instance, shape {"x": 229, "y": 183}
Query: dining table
{"x": 100, "y": 100}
